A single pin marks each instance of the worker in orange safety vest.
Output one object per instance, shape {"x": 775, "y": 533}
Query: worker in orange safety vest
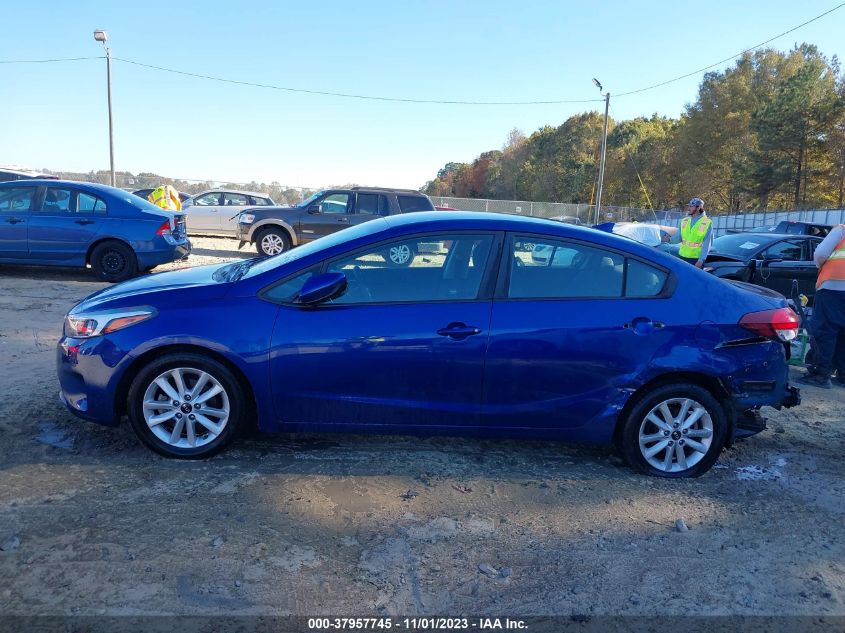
{"x": 828, "y": 320}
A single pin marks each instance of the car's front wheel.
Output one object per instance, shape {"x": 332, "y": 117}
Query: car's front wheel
{"x": 675, "y": 430}
{"x": 272, "y": 241}
{"x": 186, "y": 405}
{"x": 113, "y": 261}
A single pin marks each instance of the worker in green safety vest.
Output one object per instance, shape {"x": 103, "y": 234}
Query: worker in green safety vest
{"x": 696, "y": 234}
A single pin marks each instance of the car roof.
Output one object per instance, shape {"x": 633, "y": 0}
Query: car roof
{"x": 246, "y": 193}
{"x": 80, "y": 184}
{"x": 481, "y": 220}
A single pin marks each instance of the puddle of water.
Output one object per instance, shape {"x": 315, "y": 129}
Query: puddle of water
{"x": 49, "y": 433}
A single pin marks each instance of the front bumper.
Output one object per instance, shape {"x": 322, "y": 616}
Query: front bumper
{"x": 88, "y": 370}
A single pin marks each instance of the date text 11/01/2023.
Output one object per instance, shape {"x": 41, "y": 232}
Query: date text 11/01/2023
{"x": 416, "y": 624}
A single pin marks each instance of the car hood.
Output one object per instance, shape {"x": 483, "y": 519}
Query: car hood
{"x": 144, "y": 289}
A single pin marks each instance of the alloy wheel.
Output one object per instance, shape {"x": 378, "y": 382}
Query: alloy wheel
{"x": 676, "y": 434}
{"x": 186, "y": 407}
{"x": 272, "y": 244}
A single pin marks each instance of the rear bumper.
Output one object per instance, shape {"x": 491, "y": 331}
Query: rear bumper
{"x": 171, "y": 253}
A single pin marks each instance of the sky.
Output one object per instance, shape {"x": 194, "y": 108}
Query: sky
{"x": 55, "y": 115}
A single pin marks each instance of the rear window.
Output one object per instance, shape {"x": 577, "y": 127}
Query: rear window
{"x": 407, "y": 204}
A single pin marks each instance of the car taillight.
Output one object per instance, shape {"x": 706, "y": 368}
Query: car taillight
{"x": 781, "y": 323}
{"x": 164, "y": 229}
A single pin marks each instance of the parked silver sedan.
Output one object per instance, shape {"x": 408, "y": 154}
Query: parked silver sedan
{"x": 215, "y": 212}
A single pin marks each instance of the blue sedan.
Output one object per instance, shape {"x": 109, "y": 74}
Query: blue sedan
{"x": 610, "y": 342}
{"x": 79, "y": 224}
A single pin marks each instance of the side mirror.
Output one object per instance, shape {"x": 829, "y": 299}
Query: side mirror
{"x": 321, "y": 288}
{"x": 314, "y": 208}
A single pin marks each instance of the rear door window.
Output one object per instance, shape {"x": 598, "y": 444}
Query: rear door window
{"x": 408, "y": 204}
{"x": 16, "y": 199}
{"x": 561, "y": 269}
{"x": 372, "y": 204}
{"x": 643, "y": 280}
{"x": 88, "y": 203}
{"x": 235, "y": 200}
{"x": 259, "y": 202}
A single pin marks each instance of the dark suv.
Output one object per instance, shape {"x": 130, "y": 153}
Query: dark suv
{"x": 274, "y": 230}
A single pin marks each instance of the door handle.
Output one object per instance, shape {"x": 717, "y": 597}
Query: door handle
{"x": 643, "y": 323}
{"x": 15, "y": 220}
{"x": 83, "y": 221}
{"x": 458, "y": 331}
{"x": 343, "y": 219}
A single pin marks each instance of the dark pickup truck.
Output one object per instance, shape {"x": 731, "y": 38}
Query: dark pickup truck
{"x": 274, "y": 230}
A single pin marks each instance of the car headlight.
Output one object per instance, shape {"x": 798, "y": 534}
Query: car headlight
{"x": 247, "y": 218}
{"x": 95, "y": 323}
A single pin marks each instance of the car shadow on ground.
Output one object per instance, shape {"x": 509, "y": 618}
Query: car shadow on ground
{"x": 47, "y": 273}
{"x": 215, "y": 252}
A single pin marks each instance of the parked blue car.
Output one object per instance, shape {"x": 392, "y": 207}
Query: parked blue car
{"x": 76, "y": 224}
{"x": 613, "y": 343}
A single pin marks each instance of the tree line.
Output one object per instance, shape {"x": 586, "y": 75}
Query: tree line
{"x": 767, "y": 133}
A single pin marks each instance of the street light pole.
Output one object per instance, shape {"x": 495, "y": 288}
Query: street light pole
{"x": 603, "y": 150}
{"x": 102, "y": 36}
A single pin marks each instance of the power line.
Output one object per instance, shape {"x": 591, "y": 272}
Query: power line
{"x": 350, "y": 95}
{"x": 48, "y": 61}
{"x": 727, "y": 59}
{"x": 423, "y": 101}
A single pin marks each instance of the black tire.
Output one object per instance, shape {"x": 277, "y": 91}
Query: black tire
{"x": 637, "y": 420}
{"x": 269, "y": 240}
{"x": 188, "y": 362}
{"x": 400, "y": 255}
{"x": 113, "y": 261}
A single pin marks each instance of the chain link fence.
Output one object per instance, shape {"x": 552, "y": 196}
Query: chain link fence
{"x": 722, "y": 224}
{"x": 585, "y": 213}
{"x": 742, "y": 222}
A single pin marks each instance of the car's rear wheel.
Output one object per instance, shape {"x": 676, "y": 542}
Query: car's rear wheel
{"x": 186, "y": 406}
{"x": 399, "y": 255}
{"x": 113, "y": 261}
{"x": 272, "y": 241}
{"x": 674, "y": 431}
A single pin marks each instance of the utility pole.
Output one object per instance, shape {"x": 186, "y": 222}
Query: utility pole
{"x": 603, "y": 150}
{"x": 102, "y": 36}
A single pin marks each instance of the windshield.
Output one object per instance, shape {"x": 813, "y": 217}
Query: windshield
{"x": 259, "y": 266}
{"x": 308, "y": 200}
{"x": 741, "y": 245}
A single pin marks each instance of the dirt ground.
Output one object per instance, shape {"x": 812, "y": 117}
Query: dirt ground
{"x": 93, "y": 523}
